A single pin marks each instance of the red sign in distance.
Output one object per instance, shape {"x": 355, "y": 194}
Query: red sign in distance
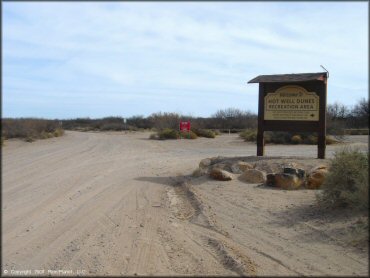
{"x": 185, "y": 126}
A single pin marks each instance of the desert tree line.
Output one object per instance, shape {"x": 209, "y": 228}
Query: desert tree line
{"x": 341, "y": 119}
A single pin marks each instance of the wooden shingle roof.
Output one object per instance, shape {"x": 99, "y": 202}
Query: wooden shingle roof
{"x": 297, "y": 77}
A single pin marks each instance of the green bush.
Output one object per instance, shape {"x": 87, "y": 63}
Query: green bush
{"x": 168, "y": 133}
{"x": 207, "y": 133}
{"x": 249, "y": 135}
{"x": 277, "y": 137}
{"x": 310, "y": 140}
{"x": 283, "y": 137}
{"x": 44, "y": 135}
{"x": 347, "y": 183}
{"x": 188, "y": 135}
{"x": 58, "y": 132}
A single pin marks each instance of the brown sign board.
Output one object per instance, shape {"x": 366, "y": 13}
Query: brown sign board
{"x": 292, "y": 102}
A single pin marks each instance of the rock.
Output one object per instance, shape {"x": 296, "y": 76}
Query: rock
{"x": 199, "y": 172}
{"x": 268, "y": 167}
{"x": 316, "y": 177}
{"x": 221, "y": 175}
{"x": 270, "y": 179}
{"x": 287, "y": 181}
{"x": 300, "y": 173}
{"x": 240, "y": 166}
{"x": 222, "y": 166}
{"x": 320, "y": 167}
{"x": 217, "y": 159}
{"x": 290, "y": 165}
{"x": 204, "y": 163}
{"x": 253, "y": 176}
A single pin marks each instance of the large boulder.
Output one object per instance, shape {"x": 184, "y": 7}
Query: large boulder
{"x": 287, "y": 181}
{"x": 240, "y": 167}
{"x": 270, "y": 180}
{"x": 253, "y": 176}
{"x": 316, "y": 177}
{"x": 221, "y": 175}
{"x": 222, "y": 165}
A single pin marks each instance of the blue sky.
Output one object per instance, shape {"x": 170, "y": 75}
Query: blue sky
{"x": 96, "y": 59}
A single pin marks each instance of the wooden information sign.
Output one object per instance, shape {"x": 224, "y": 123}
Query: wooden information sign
{"x": 292, "y": 102}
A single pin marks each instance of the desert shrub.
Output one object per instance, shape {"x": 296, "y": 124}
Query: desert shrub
{"x": 165, "y": 120}
{"x": 277, "y": 137}
{"x": 347, "y": 183}
{"x": 363, "y": 131}
{"x": 29, "y": 128}
{"x": 282, "y": 137}
{"x": 140, "y": 122}
{"x": 217, "y": 132}
{"x": 168, "y": 133}
{"x": 58, "y": 132}
{"x": 44, "y": 135}
{"x": 296, "y": 139}
{"x": 310, "y": 139}
{"x": 188, "y": 135}
{"x": 29, "y": 139}
{"x": 2, "y": 141}
{"x": 249, "y": 135}
{"x": 154, "y": 136}
{"x": 111, "y": 126}
{"x": 204, "y": 133}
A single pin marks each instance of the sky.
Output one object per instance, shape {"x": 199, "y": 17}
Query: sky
{"x": 94, "y": 59}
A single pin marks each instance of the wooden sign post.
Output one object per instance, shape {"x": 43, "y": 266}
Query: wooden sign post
{"x": 292, "y": 102}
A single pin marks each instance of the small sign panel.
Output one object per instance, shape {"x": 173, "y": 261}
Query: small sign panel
{"x": 185, "y": 126}
{"x": 291, "y": 103}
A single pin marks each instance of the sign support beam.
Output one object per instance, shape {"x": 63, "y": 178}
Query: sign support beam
{"x": 260, "y": 131}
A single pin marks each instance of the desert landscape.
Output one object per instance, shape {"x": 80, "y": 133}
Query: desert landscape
{"x": 184, "y": 139}
{"x": 117, "y": 203}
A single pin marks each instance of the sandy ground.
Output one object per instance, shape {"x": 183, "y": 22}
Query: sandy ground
{"x": 120, "y": 204}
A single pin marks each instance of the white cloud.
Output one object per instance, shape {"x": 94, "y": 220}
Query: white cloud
{"x": 177, "y": 52}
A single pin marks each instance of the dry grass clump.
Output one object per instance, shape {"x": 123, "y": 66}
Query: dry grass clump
{"x": 347, "y": 183}
{"x": 30, "y": 129}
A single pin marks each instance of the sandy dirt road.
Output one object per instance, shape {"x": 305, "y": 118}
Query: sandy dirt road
{"x": 118, "y": 204}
